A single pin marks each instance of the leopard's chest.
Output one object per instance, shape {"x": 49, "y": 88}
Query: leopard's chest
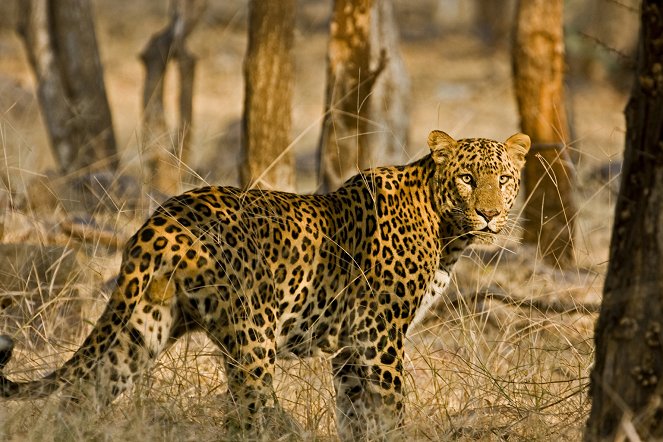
{"x": 433, "y": 294}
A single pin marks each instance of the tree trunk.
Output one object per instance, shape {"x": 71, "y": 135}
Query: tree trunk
{"x": 389, "y": 100}
{"x": 493, "y": 21}
{"x": 268, "y": 71}
{"x": 612, "y": 27}
{"x": 61, "y": 44}
{"x": 365, "y": 121}
{"x": 164, "y": 158}
{"x": 627, "y": 378}
{"x": 538, "y": 68}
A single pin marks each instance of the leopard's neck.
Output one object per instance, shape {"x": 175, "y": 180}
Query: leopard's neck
{"x": 418, "y": 185}
{"x": 451, "y": 241}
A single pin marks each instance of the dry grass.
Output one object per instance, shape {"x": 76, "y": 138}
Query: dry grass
{"x": 479, "y": 369}
{"x": 487, "y": 370}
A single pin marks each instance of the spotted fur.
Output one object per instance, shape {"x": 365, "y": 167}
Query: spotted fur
{"x": 267, "y": 274}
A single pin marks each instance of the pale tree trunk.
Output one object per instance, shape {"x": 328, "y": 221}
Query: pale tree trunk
{"x": 268, "y": 72}
{"x": 61, "y": 45}
{"x": 612, "y": 27}
{"x": 366, "y": 120}
{"x": 549, "y": 180}
{"x": 493, "y": 21}
{"x": 389, "y": 100}
{"x": 627, "y": 378}
{"x": 166, "y": 159}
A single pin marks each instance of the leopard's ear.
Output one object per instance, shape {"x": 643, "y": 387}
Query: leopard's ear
{"x": 517, "y": 147}
{"x": 441, "y": 145}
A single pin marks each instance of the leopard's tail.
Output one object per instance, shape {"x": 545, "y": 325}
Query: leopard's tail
{"x": 79, "y": 366}
{"x": 140, "y": 320}
{"x": 93, "y": 370}
{"x": 7, "y": 387}
{"x": 21, "y": 390}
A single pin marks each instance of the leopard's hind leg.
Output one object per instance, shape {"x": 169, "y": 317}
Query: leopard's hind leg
{"x": 124, "y": 349}
{"x": 142, "y": 318}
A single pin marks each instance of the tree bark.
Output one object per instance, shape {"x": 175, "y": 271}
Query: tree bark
{"x": 163, "y": 157}
{"x": 366, "y": 107}
{"x": 493, "y": 21}
{"x": 612, "y": 27}
{"x": 549, "y": 179}
{"x": 61, "y": 44}
{"x": 268, "y": 71}
{"x": 389, "y": 101}
{"x": 627, "y": 378}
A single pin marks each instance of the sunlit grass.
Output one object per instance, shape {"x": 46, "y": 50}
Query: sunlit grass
{"x": 479, "y": 368}
{"x": 506, "y": 355}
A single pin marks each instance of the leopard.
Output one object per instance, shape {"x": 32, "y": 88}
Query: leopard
{"x": 268, "y": 274}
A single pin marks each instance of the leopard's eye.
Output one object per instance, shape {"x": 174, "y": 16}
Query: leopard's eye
{"x": 504, "y": 179}
{"x": 467, "y": 178}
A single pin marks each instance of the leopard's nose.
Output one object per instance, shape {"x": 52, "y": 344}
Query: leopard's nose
{"x": 487, "y": 214}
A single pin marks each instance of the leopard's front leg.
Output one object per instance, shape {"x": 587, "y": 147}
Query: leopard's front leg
{"x": 368, "y": 378}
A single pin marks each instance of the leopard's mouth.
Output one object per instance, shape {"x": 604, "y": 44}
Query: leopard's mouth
{"x": 486, "y": 230}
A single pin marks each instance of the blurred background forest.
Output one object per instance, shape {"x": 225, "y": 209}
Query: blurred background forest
{"x": 514, "y": 338}
{"x": 457, "y": 59}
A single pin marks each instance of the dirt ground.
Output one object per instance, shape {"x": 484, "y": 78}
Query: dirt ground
{"x": 482, "y": 370}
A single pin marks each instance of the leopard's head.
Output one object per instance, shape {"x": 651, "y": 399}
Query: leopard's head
{"x": 476, "y": 180}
